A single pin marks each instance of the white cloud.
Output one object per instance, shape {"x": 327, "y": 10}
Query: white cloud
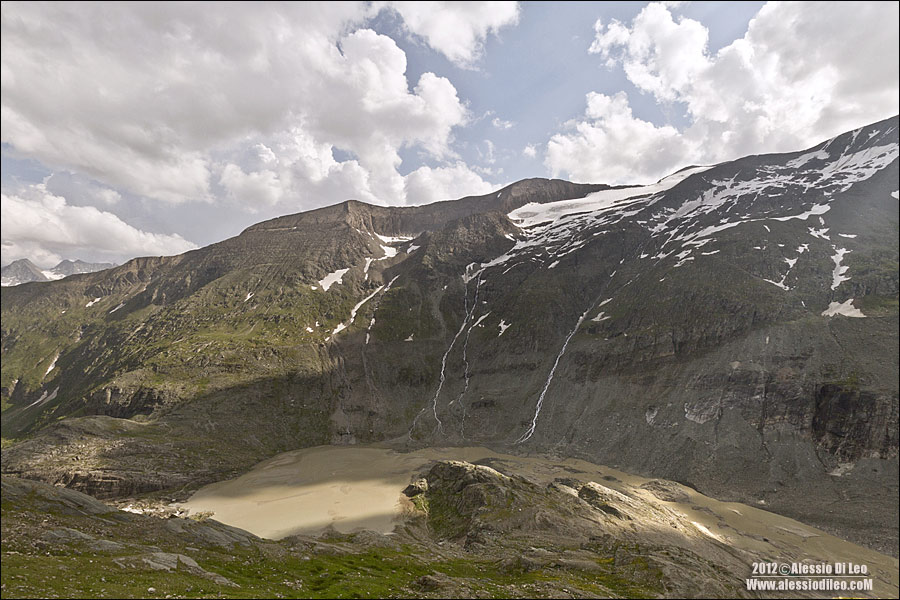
{"x": 427, "y": 184}
{"x": 85, "y": 190}
{"x": 530, "y": 151}
{"x": 457, "y": 29}
{"x": 175, "y": 102}
{"x": 614, "y": 146}
{"x": 45, "y": 228}
{"x": 659, "y": 55}
{"x": 803, "y": 72}
{"x": 251, "y": 188}
{"x": 499, "y": 123}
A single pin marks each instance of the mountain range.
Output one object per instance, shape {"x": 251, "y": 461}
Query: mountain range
{"x": 731, "y": 327}
{"x": 24, "y": 271}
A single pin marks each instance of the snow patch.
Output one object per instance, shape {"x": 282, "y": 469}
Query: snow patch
{"x": 817, "y": 209}
{"x": 92, "y": 302}
{"x": 52, "y": 365}
{"x": 332, "y": 278}
{"x": 249, "y": 295}
{"x": 121, "y": 304}
{"x": 805, "y": 158}
{"x": 503, "y": 327}
{"x": 535, "y": 213}
{"x": 393, "y": 240}
{"x": 779, "y": 283}
{"x": 410, "y": 338}
{"x": 52, "y": 275}
{"x": 819, "y": 233}
{"x": 842, "y": 308}
{"x": 837, "y": 276}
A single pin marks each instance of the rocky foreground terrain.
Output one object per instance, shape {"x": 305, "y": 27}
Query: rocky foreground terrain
{"x": 732, "y": 328}
{"x": 468, "y": 530}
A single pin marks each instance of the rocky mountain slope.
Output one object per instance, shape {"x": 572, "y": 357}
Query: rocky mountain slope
{"x": 24, "y": 271}
{"x": 731, "y": 327}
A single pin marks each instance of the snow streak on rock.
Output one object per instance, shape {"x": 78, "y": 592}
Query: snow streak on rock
{"x": 353, "y": 311}
{"x": 52, "y": 365}
{"x": 387, "y": 288}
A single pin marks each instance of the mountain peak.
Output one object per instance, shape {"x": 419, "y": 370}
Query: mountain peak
{"x": 24, "y": 271}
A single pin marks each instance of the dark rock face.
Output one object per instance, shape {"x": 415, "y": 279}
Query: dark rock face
{"x": 708, "y": 330}
{"x": 852, "y": 424}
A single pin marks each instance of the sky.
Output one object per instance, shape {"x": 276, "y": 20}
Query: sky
{"x": 135, "y": 129}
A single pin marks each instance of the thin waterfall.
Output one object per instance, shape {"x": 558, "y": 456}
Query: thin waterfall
{"x": 537, "y": 410}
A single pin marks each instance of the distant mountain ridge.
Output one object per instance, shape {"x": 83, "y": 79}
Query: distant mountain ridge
{"x": 24, "y": 271}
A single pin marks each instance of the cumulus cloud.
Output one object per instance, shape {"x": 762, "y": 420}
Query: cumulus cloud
{"x": 612, "y": 145}
{"x": 530, "y": 151}
{"x": 803, "y": 72}
{"x": 165, "y": 104}
{"x": 45, "y": 228}
{"x": 457, "y": 29}
{"x": 499, "y": 123}
{"x": 427, "y": 184}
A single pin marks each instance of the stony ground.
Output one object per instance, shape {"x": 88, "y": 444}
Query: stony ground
{"x": 469, "y": 531}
